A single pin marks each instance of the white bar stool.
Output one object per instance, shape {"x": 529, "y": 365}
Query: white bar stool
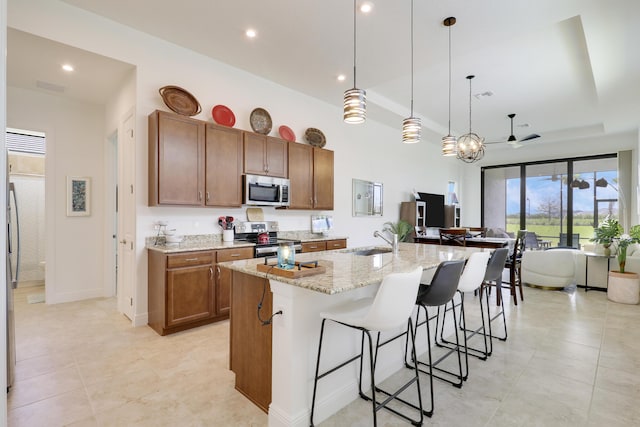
{"x": 390, "y": 309}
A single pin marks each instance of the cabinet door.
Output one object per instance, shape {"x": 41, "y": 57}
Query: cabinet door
{"x": 176, "y": 151}
{"x": 223, "y": 166}
{"x": 276, "y": 157}
{"x": 313, "y": 247}
{"x": 323, "y": 178}
{"x": 223, "y": 279}
{"x": 300, "y": 176}
{"x": 189, "y": 294}
{"x": 254, "y": 153}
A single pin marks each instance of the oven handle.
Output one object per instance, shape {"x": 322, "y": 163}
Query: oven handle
{"x": 266, "y": 250}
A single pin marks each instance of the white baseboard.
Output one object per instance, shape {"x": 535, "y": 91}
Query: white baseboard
{"x": 60, "y": 297}
{"x": 140, "y": 319}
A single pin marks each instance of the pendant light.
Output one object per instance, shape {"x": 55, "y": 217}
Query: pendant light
{"x": 470, "y": 147}
{"x": 355, "y": 100}
{"x": 411, "y": 126}
{"x": 449, "y": 141}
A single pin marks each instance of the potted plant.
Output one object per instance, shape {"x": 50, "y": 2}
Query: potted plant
{"x": 608, "y": 231}
{"x": 624, "y": 287}
{"x": 402, "y": 228}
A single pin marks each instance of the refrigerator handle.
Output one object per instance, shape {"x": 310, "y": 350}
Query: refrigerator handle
{"x": 14, "y": 280}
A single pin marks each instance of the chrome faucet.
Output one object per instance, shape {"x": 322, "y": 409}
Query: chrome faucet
{"x": 393, "y": 243}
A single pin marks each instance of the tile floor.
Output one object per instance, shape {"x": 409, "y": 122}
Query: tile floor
{"x": 572, "y": 359}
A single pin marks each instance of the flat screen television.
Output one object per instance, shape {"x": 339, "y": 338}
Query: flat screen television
{"x": 435, "y": 209}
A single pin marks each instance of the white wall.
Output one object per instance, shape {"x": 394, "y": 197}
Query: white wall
{"x": 74, "y": 133}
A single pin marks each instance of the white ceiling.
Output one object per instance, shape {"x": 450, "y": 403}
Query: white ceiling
{"x": 568, "y": 68}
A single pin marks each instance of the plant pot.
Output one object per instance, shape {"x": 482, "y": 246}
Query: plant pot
{"x": 606, "y": 249}
{"x": 623, "y": 288}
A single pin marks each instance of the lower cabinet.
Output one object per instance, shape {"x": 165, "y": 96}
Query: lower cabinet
{"x": 324, "y": 245}
{"x": 188, "y": 289}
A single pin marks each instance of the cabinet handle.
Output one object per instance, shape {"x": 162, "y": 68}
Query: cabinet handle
{"x": 199, "y": 195}
{"x": 191, "y": 259}
{"x": 218, "y": 273}
{"x": 211, "y": 272}
{"x": 235, "y": 255}
{"x": 207, "y": 196}
{"x": 313, "y": 247}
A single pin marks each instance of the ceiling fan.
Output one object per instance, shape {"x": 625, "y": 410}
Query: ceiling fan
{"x": 512, "y": 140}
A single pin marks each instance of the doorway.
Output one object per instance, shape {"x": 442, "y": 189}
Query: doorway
{"x": 26, "y": 169}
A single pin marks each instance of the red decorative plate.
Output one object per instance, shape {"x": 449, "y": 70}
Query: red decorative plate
{"x": 286, "y": 133}
{"x": 222, "y": 115}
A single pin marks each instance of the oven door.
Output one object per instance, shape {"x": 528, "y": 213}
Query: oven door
{"x": 266, "y": 251}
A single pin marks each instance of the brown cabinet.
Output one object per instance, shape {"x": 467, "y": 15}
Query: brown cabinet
{"x": 176, "y": 160}
{"x": 223, "y": 166}
{"x": 336, "y": 244}
{"x": 193, "y": 163}
{"x": 265, "y": 155}
{"x": 181, "y": 291}
{"x": 188, "y": 289}
{"x": 326, "y": 245}
{"x": 311, "y": 176}
{"x": 223, "y": 288}
{"x": 313, "y": 246}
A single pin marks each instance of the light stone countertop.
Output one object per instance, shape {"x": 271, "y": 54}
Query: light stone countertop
{"x": 208, "y": 242}
{"x": 347, "y": 271}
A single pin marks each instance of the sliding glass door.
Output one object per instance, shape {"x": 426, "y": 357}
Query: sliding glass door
{"x": 559, "y": 202}
{"x": 546, "y": 202}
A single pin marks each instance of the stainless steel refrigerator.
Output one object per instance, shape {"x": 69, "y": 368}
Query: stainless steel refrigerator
{"x": 13, "y": 263}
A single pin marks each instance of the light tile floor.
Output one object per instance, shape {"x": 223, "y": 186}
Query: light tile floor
{"x": 572, "y": 359}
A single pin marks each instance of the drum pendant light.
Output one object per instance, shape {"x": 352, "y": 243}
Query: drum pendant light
{"x": 470, "y": 147}
{"x": 355, "y": 100}
{"x": 449, "y": 141}
{"x": 411, "y": 126}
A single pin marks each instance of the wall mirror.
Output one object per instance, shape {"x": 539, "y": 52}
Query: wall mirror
{"x": 367, "y": 198}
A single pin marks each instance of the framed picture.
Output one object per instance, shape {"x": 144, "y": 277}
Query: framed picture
{"x": 78, "y": 196}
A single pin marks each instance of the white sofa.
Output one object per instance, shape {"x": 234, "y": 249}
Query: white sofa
{"x": 552, "y": 268}
{"x": 555, "y": 268}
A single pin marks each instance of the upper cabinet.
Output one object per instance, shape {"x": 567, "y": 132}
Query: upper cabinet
{"x": 176, "y": 160}
{"x": 265, "y": 155}
{"x": 223, "y": 166}
{"x": 311, "y": 177}
{"x": 193, "y": 163}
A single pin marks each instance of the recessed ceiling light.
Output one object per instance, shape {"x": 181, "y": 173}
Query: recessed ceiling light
{"x": 366, "y": 7}
{"x": 341, "y": 77}
{"x": 251, "y": 33}
{"x": 67, "y": 67}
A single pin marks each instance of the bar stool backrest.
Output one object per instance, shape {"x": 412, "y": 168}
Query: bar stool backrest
{"x": 394, "y": 301}
{"x": 474, "y": 271}
{"x": 496, "y": 265}
{"x": 443, "y": 285}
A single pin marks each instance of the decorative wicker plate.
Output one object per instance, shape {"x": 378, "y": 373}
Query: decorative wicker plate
{"x": 260, "y": 121}
{"x": 315, "y": 137}
{"x": 180, "y": 101}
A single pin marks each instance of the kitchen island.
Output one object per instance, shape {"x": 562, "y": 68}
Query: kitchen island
{"x": 288, "y": 346}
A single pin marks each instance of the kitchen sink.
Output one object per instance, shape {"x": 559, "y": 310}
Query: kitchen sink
{"x": 374, "y": 251}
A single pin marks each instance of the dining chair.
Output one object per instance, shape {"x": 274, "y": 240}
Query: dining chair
{"x": 531, "y": 240}
{"x": 453, "y": 236}
{"x": 477, "y": 231}
{"x": 514, "y": 264}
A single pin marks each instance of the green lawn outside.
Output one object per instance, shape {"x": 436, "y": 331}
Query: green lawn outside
{"x": 552, "y": 232}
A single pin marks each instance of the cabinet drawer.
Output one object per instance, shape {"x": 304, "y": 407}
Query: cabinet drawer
{"x": 313, "y": 247}
{"x": 336, "y": 244}
{"x": 235, "y": 254}
{"x": 189, "y": 259}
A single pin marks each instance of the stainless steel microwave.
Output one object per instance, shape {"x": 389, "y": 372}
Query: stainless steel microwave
{"x": 266, "y": 191}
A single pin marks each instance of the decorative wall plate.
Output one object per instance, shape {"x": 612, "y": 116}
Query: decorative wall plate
{"x": 223, "y": 115}
{"x": 315, "y": 137}
{"x": 260, "y": 121}
{"x": 180, "y": 101}
{"x": 286, "y": 133}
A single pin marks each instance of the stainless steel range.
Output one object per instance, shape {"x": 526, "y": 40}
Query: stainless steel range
{"x": 265, "y": 235}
